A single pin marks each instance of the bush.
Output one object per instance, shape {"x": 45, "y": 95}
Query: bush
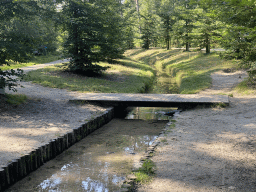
{"x": 8, "y": 79}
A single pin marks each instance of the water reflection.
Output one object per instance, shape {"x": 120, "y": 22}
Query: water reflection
{"x": 150, "y": 113}
{"x": 91, "y": 185}
{"x": 51, "y": 183}
{"x": 101, "y": 161}
{"x": 60, "y": 180}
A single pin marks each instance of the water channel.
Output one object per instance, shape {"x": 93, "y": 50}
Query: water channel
{"x": 101, "y": 161}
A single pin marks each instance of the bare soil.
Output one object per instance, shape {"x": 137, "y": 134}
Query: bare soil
{"x": 210, "y": 149}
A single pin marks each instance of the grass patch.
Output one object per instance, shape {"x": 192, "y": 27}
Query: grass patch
{"x": 181, "y": 72}
{"x": 169, "y": 71}
{"x": 164, "y": 140}
{"x": 14, "y": 99}
{"x": 244, "y": 89}
{"x": 145, "y": 173}
{"x": 35, "y": 60}
{"x": 219, "y": 105}
{"x": 125, "y": 76}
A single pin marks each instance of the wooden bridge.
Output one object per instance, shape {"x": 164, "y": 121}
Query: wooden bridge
{"x": 153, "y": 100}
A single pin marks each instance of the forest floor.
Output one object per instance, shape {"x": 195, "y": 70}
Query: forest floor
{"x": 210, "y": 149}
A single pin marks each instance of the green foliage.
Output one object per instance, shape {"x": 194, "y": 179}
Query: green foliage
{"x": 7, "y": 80}
{"x": 240, "y": 36}
{"x": 94, "y": 34}
{"x": 20, "y": 33}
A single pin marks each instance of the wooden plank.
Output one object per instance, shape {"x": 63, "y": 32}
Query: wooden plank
{"x": 152, "y": 100}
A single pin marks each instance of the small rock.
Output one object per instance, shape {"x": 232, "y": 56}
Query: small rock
{"x": 232, "y": 187}
{"x": 126, "y": 186}
{"x": 123, "y": 190}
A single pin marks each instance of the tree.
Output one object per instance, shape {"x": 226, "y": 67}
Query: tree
{"x": 130, "y": 18}
{"x": 149, "y": 20}
{"x": 207, "y": 27}
{"x": 240, "y": 34}
{"x": 185, "y": 22}
{"x": 94, "y": 34}
{"x": 18, "y": 35}
{"x": 166, "y": 11}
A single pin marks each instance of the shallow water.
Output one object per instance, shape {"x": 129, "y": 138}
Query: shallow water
{"x": 101, "y": 161}
{"x": 150, "y": 113}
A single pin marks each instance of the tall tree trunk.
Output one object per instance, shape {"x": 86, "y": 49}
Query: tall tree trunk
{"x": 75, "y": 32}
{"x": 186, "y": 36}
{"x": 121, "y": 8}
{"x": 138, "y": 11}
{"x": 167, "y": 32}
{"x": 187, "y": 46}
{"x": 207, "y": 43}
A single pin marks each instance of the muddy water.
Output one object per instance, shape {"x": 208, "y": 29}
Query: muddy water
{"x": 101, "y": 161}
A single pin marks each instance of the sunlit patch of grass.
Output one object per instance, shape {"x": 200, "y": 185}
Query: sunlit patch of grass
{"x": 145, "y": 173}
{"x": 36, "y": 60}
{"x": 124, "y": 77}
{"x": 181, "y": 72}
{"x": 171, "y": 71}
{"x": 193, "y": 75}
{"x": 244, "y": 89}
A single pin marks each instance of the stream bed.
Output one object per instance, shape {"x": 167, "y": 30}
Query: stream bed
{"x": 101, "y": 161}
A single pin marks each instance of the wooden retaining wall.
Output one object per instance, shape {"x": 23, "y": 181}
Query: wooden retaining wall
{"x": 20, "y": 168}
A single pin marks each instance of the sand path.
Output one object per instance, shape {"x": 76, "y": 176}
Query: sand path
{"x": 210, "y": 149}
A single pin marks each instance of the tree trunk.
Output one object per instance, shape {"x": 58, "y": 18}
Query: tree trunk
{"x": 207, "y": 43}
{"x": 187, "y": 46}
{"x": 138, "y": 11}
{"x": 167, "y": 32}
{"x": 186, "y": 36}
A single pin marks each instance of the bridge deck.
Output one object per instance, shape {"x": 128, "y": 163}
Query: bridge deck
{"x": 153, "y": 100}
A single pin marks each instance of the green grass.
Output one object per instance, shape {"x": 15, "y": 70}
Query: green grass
{"x": 15, "y": 99}
{"x": 145, "y": 173}
{"x": 181, "y": 72}
{"x": 36, "y": 60}
{"x": 244, "y": 89}
{"x": 169, "y": 71}
{"x": 125, "y": 76}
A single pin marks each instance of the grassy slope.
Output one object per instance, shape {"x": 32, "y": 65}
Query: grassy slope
{"x": 126, "y": 76}
{"x": 173, "y": 71}
{"x": 182, "y": 72}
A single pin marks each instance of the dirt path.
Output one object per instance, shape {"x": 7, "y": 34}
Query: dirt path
{"x": 46, "y": 115}
{"x": 210, "y": 149}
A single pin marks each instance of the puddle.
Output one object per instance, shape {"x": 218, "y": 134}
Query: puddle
{"x": 101, "y": 161}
